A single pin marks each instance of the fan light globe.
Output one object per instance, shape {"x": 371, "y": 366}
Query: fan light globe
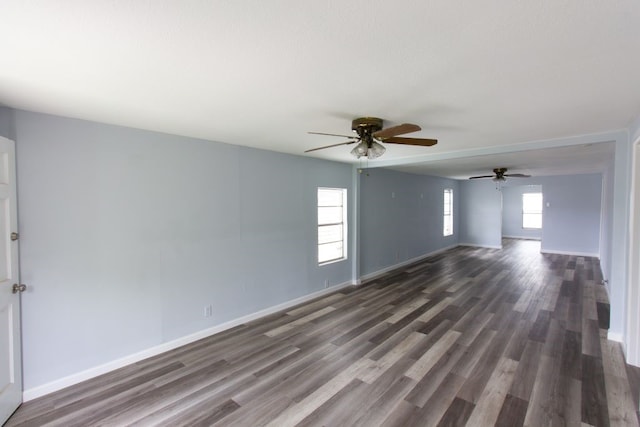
{"x": 372, "y": 152}
{"x": 376, "y": 150}
{"x": 360, "y": 150}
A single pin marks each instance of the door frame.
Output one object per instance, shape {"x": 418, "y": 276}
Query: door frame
{"x": 10, "y": 402}
{"x": 632, "y": 341}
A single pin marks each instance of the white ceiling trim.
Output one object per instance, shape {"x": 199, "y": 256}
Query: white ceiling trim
{"x": 620, "y": 135}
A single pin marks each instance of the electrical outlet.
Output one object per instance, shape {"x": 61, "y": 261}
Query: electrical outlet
{"x": 326, "y": 283}
{"x": 208, "y": 310}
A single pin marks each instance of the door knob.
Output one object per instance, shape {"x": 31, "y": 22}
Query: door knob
{"x": 18, "y": 288}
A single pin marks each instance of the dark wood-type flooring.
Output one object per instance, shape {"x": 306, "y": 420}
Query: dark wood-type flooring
{"x": 471, "y": 336}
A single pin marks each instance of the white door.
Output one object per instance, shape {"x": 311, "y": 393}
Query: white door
{"x": 10, "y": 357}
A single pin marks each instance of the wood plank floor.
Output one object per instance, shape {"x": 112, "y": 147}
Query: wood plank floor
{"x": 475, "y": 337}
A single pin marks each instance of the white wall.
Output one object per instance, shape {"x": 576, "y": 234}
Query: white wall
{"x": 512, "y": 211}
{"x": 126, "y": 235}
{"x": 401, "y": 217}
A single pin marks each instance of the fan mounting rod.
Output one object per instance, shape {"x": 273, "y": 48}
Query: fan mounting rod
{"x": 366, "y": 125}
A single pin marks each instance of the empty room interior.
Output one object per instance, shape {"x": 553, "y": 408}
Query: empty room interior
{"x": 319, "y": 213}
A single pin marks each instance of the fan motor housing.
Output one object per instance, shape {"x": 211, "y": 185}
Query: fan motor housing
{"x": 373, "y": 124}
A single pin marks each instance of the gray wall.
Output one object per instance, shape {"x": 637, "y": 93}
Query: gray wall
{"x": 401, "y": 217}
{"x": 571, "y": 221}
{"x": 128, "y": 234}
{"x": 512, "y": 212}
{"x": 480, "y": 213}
{"x": 7, "y": 127}
{"x": 572, "y": 213}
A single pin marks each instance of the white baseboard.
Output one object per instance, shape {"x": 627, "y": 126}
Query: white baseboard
{"x": 474, "y": 245}
{"x": 551, "y": 251}
{"x": 522, "y": 238}
{"x": 76, "y": 378}
{"x": 615, "y": 336}
{"x": 377, "y": 273}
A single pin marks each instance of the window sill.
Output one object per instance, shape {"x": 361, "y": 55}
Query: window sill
{"x": 333, "y": 261}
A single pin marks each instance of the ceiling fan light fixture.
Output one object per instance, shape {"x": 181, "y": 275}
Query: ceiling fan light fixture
{"x": 376, "y": 150}
{"x": 499, "y": 179}
{"x": 370, "y": 128}
{"x": 360, "y": 149}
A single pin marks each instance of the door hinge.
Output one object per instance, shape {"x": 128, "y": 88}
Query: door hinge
{"x": 15, "y": 236}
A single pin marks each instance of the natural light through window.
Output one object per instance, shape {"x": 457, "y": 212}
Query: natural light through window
{"x": 332, "y": 224}
{"x": 448, "y": 212}
{"x": 532, "y": 210}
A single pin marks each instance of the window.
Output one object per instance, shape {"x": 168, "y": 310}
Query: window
{"x": 448, "y": 212}
{"x": 332, "y": 224}
{"x": 532, "y": 210}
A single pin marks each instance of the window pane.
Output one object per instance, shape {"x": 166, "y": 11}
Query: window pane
{"x": 448, "y": 213}
{"x": 448, "y": 225}
{"x": 329, "y": 252}
{"x": 532, "y": 203}
{"x": 329, "y": 215}
{"x": 329, "y": 197}
{"x": 330, "y": 233}
{"x": 332, "y": 224}
{"x": 532, "y": 220}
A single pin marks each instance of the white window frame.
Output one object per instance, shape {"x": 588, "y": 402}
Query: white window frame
{"x": 447, "y": 218}
{"x": 535, "y": 212}
{"x": 342, "y": 223}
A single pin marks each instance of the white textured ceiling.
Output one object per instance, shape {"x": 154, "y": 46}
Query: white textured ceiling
{"x": 263, "y": 73}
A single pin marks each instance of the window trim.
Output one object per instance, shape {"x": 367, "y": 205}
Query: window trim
{"x": 344, "y": 225}
{"x": 447, "y": 218}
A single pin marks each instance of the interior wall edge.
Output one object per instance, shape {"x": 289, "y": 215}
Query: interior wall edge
{"x": 619, "y": 239}
{"x": 632, "y": 317}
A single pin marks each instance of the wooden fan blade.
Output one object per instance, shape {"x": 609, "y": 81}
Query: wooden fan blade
{"x": 333, "y": 145}
{"x": 383, "y": 134}
{"x": 482, "y": 176}
{"x": 517, "y": 175}
{"x": 333, "y": 134}
{"x": 411, "y": 141}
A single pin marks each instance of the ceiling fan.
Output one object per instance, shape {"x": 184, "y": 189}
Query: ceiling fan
{"x": 500, "y": 175}
{"x": 370, "y": 133}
